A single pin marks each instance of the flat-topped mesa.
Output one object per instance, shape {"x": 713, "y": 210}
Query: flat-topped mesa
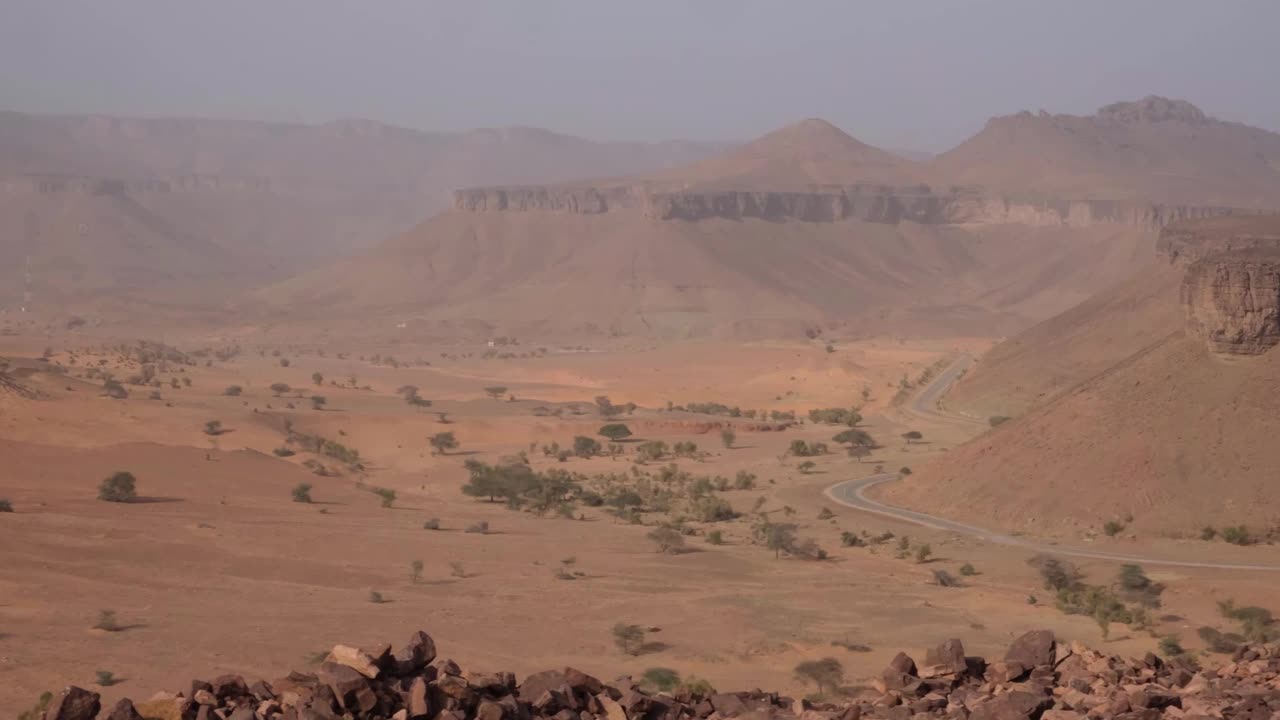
{"x": 866, "y": 203}
{"x": 1231, "y": 289}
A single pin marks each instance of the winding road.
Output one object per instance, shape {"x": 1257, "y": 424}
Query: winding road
{"x": 852, "y": 493}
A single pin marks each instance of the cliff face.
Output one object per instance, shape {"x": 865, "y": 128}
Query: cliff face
{"x": 868, "y": 203}
{"x": 1233, "y": 302}
{"x": 1231, "y": 287}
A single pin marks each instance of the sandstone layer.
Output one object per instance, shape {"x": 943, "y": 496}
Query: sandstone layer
{"x": 866, "y": 203}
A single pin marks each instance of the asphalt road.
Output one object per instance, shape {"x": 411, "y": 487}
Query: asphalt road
{"x": 851, "y": 493}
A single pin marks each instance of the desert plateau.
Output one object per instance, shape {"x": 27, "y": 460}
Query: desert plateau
{"x": 838, "y": 410}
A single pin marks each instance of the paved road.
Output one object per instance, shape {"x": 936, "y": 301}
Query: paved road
{"x": 851, "y": 493}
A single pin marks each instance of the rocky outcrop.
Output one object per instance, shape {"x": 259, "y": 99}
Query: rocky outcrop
{"x": 575, "y": 200}
{"x": 1040, "y": 678}
{"x": 866, "y": 203}
{"x": 1231, "y": 286}
{"x": 1233, "y": 302}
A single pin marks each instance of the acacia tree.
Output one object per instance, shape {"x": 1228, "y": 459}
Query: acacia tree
{"x": 279, "y": 388}
{"x": 443, "y": 442}
{"x": 912, "y": 436}
{"x": 496, "y": 391}
{"x": 614, "y": 431}
{"x": 826, "y": 674}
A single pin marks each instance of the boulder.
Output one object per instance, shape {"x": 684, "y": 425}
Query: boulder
{"x": 355, "y": 658}
{"x": 419, "y": 652}
{"x": 74, "y": 703}
{"x": 945, "y": 659}
{"x": 1032, "y": 649}
{"x": 124, "y": 710}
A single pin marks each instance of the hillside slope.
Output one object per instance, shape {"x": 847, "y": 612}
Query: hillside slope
{"x": 780, "y": 235}
{"x": 1175, "y": 427}
{"x": 627, "y": 274}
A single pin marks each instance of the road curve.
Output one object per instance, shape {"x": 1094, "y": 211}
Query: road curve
{"x": 851, "y": 493}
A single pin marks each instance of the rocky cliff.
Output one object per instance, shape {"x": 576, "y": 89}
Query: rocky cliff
{"x": 1230, "y": 291}
{"x": 1233, "y": 302}
{"x": 867, "y": 203}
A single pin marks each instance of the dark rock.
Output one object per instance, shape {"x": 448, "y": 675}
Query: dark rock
{"x": 349, "y": 687}
{"x": 1032, "y": 649}
{"x": 229, "y": 686}
{"x": 124, "y": 710}
{"x": 728, "y": 705}
{"x": 419, "y": 652}
{"x": 945, "y": 659}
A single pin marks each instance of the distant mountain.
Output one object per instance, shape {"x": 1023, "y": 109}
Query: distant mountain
{"x": 267, "y": 198}
{"x": 1153, "y": 149}
{"x": 761, "y": 240}
{"x": 810, "y": 152}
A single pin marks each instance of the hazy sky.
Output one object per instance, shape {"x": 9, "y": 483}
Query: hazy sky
{"x": 894, "y": 73}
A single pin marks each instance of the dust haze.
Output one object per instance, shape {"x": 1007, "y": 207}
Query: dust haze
{"x": 906, "y": 363}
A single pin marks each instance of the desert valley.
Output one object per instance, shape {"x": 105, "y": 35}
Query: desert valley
{"x": 697, "y": 413}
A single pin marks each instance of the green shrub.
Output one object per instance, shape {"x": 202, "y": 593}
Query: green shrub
{"x": 37, "y": 712}
{"x": 923, "y": 551}
{"x": 1237, "y": 535}
{"x": 968, "y": 570}
{"x": 432, "y": 524}
{"x": 661, "y": 679}
{"x": 120, "y": 487}
{"x": 106, "y": 678}
{"x": 825, "y": 514}
{"x": 585, "y": 447}
{"x": 1112, "y": 528}
{"x": 376, "y": 597}
{"x": 629, "y": 638}
{"x": 233, "y": 391}
{"x": 1208, "y": 533}
{"x": 302, "y": 493}
{"x": 849, "y": 539}
{"x": 387, "y": 495}
{"x": 1170, "y": 647}
{"x": 5, "y": 505}
{"x": 283, "y": 452}
{"x": 715, "y": 537}
{"x": 711, "y": 509}
{"x": 479, "y": 528}
{"x": 997, "y": 420}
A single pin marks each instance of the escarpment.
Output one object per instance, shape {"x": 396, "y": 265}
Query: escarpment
{"x": 866, "y": 203}
{"x": 1230, "y": 288}
{"x": 1233, "y": 302}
